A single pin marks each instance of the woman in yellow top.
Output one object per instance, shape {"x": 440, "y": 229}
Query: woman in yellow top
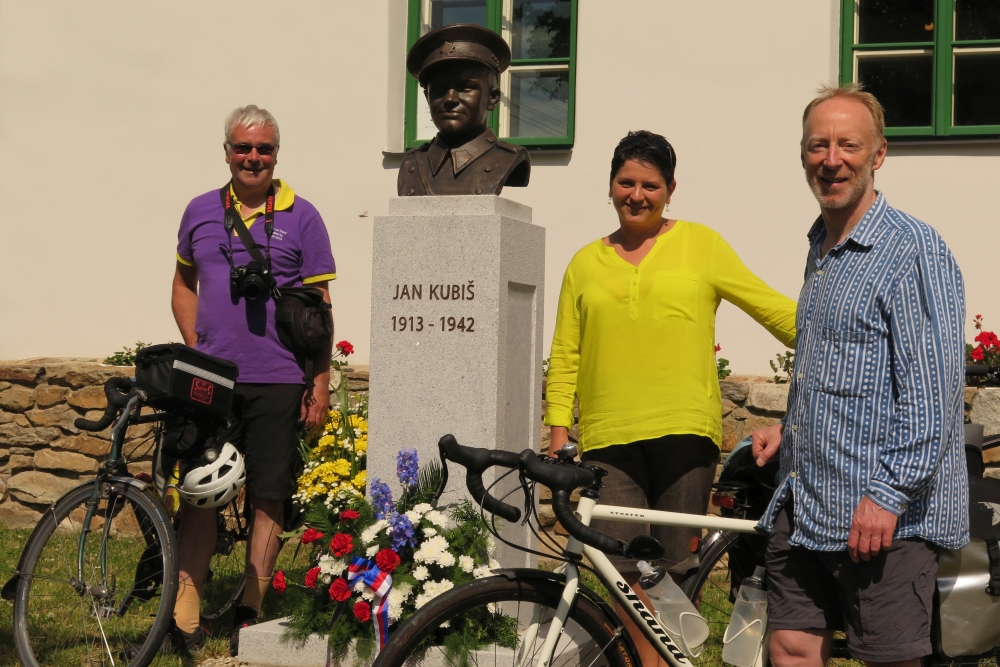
{"x": 635, "y": 341}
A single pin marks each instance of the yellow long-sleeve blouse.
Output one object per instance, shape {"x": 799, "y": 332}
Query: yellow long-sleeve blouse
{"x": 637, "y": 343}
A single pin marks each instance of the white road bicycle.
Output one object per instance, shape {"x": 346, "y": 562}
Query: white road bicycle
{"x": 531, "y": 617}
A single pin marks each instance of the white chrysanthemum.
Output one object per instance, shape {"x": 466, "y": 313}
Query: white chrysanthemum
{"x": 330, "y": 565}
{"x": 430, "y": 532}
{"x": 446, "y": 559}
{"x": 372, "y": 550}
{"x": 413, "y": 516}
{"x": 431, "y": 550}
{"x": 422, "y": 508}
{"x": 466, "y": 563}
{"x": 438, "y": 519}
{"x": 371, "y": 532}
{"x": 494, "y": 564}
{"x": 367, "y": 594}
{"x": 422, "y": 599}
{"x": 482, "y": 571}
{"x": 420, "y": 573}
{"x": 397, "y": 598}
{"x": 325, "y": 578}
{"x": 491, "y": 544}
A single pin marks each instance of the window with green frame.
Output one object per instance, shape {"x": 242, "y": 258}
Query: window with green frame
{"x": 538, "y": 90}
{"x": 933, "y": 64}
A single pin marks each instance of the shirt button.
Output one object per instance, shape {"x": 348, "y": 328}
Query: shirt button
{"x": 793, "y": 474}
{"x": 902, "y": 506}
{"x": 799, "y": 376}
{"x": 412, "y": 169}
{"x": 819, "y": 272}
{"x": 795, "y": 427}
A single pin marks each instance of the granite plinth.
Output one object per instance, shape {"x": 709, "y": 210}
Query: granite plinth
{"x": 456, "y": 343}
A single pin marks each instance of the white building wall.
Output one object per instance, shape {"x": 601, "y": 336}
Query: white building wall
{"x": 111, "y": 121}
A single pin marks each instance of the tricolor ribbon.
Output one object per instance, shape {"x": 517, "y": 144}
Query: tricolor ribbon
{"x": 364, "y": 572}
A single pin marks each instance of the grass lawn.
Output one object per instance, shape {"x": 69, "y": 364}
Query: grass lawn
{"x": 11, "y": 544}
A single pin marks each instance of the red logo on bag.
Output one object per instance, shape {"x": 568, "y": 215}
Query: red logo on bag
{"x": 202, "y": 390}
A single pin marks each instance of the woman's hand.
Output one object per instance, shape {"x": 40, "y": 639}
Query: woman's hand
{"x": 559, "y": 436}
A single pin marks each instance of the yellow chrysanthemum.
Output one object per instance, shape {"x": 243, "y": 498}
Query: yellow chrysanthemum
{"x": 360, "y": 480}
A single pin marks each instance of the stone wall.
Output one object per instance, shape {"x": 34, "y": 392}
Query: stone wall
{"x": 42, "y": 454}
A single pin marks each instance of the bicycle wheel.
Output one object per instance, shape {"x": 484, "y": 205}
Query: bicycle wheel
{"x": 486, "y": 622}
{"x": 226, "y": 578}
{"x": 710, "y": 589}
{"x": 99, "y": 592}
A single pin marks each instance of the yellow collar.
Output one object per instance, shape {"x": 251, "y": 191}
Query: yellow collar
{"x": 282, "y": 202}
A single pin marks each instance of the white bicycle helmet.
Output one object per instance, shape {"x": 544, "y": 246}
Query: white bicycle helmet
{"x": 214, "y": 483}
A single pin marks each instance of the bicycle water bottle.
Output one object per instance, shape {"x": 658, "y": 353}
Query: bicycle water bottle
{"x": 678, "y": 616}
{"x": 748, "y": 622}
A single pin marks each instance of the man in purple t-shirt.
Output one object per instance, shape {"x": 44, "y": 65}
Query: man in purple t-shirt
{"x": 220, "y": 321}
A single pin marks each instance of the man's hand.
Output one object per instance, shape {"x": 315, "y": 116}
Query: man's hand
{"x": 765, "y": 443}
{"x": 315, "y": 404}
{"x": 558, "y": 436}
{"x": 871, "y": 530}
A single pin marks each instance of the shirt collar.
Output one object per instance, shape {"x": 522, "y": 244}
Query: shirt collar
{"x": 865, "y": 233}
{"x": 461, "y": 157}
{"x": 282, "y": 201}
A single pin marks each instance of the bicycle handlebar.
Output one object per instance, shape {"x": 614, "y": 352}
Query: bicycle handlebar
{"x": 981, "y": 370}
{"x": 116, "y": 389}
{"x": 476, "y": 461}
{"x": 563, "y": 478}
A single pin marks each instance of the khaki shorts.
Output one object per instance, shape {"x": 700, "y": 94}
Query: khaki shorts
{"x": 884, "y": 605}
{"x": 673, "y": 473}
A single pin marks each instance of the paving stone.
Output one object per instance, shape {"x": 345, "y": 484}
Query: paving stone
{"x": 19, "y": 462}
{"x": 15, "y": 434}
{"x": 768, "y": 397}
{"x": 39, "y": 487}
{"x": 734, "y": 391}
{"x": 89, "y": 398}
{"x": 4, "y": 385}
{"x": 17, "y": 398}
{"x": 84, "y": 444}
{"x": 48, "y": 459}
{"x": 986, "y": 410}
{"x": 60, "y": 416}
{"x": 15, "y": 515}
{"x": 78, "y": 375}
{"x": 731, "y": 430}
{"x": 47, "y": 395}
{"x": 756, "y": 422}
{"x": 7, "y": 417}
{"x": 727, "y": 406}
{"x": 20, "y": 373}
{"x": 4, "y": 453}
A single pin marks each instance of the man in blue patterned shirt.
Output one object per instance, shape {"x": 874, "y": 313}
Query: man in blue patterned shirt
{"x": 873, "y": 475}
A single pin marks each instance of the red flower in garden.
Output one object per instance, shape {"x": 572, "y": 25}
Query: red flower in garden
{"x": 387, "y": 560}
{"x": 311, "y": 536}
{"x": 311, "y": 577}
{"x": 341, "y": 544}
{"x": 348, "y": 515}
{"x": 279, "y": 582}
{"x": 362, "y": 611}
{"x": 345, "y": 348}
{"x": 339, "y": 590}
{"x": 988, "y": 339}
{"x": 977, "y": 354}
{"x": 718, "y": 348}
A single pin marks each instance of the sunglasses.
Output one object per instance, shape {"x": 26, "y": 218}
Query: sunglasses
{"x": 246, "y": 149}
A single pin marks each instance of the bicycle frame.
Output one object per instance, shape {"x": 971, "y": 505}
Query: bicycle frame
{"x": 643, "y": 617}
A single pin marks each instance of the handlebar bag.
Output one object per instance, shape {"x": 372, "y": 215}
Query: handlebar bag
{"x": 182, "y": 380}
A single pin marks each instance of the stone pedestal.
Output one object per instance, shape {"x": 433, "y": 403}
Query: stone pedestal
{"x": 456, "y": 334}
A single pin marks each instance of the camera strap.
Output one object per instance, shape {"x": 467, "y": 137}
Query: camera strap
{"x": 233, "y": 220}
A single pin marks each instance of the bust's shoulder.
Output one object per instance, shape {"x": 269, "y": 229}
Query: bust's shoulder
{"x": 512, "y": 148}
{"x": 422, "y": 148}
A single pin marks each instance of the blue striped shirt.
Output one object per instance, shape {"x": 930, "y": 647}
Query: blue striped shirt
{"x": 875, "y": 402}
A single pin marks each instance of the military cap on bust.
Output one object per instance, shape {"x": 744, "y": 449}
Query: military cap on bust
{"x": 459, "y": 41}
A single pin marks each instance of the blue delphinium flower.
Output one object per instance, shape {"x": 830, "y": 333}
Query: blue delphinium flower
{"x": 406, "y": 467}
{"x": 401, "y": 531}
{"x": 381, "y": 499}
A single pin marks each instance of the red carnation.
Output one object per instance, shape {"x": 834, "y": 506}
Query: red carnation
{"x": 279, "y": 582}
{"x": 977, "y": 354}
{"x": 339, "y": 590}
{"x": 362, "y": 612}
{"x": 311, "y": 536}
{"x": 341, "y": 544}
{"x": 387, "y": 560}
{"x": 345, "y": 348}
{"x": 311, "y": 577}
{"x": 348, "y": 515}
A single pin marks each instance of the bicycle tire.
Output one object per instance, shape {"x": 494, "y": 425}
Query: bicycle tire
{"x": 60, "y": 620}
{"x": 470, "y": 609}
{"x": 227, "y": 569}
{"x": 715, "y": 604}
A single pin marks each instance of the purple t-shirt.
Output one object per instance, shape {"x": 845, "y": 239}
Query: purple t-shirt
{"x": 240, "y": 330}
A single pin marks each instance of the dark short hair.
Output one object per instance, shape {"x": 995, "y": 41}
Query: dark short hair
{"x": 646, "y": 147}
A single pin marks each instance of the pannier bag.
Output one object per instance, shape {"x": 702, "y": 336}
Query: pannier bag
{"x": 183, "y": 380}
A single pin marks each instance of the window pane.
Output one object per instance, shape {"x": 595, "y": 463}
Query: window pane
{"x": 977, "y": 19}
{"x": 539, "y": 103}
{"x": 884, "y": 21}
{"x": 977, "y": 96}
{"x": 540, "y": 29}
{"x": 446, "y": 12}
{"x": 903, "y": 84}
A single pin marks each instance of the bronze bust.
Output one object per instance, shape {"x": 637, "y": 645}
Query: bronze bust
{"x": 459, "y": 68}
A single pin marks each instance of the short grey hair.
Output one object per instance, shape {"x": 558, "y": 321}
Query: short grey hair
{"x": 251, "y": 116}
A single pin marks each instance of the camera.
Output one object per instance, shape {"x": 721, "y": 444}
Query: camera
{"x": 252, "y": 280}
